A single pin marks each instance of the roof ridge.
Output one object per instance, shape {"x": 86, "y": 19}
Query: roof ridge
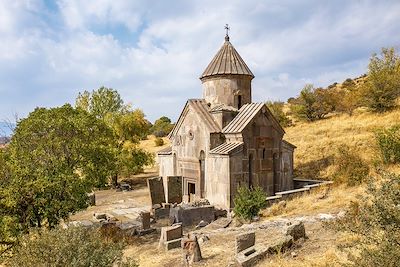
{"x": 227, "y": 61}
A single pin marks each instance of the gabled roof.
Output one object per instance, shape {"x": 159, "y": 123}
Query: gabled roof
{"x": 201, "y": 108}
{"x": 289, "y": 144}
{"x": 246, "y": 114}
{"x": 225, "y": 148}
{"x": 227, "y": 61}
{"x": 165, "y": 151}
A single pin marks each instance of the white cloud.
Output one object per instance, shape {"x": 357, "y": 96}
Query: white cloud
{"x": 47, "y": 56}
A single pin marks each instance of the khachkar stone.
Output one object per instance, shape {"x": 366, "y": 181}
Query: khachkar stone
{"x": 191, "y": 250}
{"x": 245, "y": 241}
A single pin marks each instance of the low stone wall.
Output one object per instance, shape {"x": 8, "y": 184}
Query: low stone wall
{"x": 300, "y": 183}
{"x": 308, "y": 185}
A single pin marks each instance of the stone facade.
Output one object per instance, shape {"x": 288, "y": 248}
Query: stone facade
{"x": 224, "y": 141}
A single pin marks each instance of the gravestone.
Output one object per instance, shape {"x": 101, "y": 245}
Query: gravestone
{"x": 171, "y": 236}
{"x": 245, "y": 241}
{"x": 145, "y": 220}
{"x": 174, "y": 189}
{"x": 156, "y": 188}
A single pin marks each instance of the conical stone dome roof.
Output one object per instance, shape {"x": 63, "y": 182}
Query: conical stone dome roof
{"x": 227, "y": 61}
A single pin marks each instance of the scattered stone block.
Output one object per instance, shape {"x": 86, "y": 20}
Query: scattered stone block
{"x": 141, "y": 232}
{"x": 220, "y": 213}
{"x": 245, "y": 241}
{"x": 281, "y": 245}
{"x": 145, "y": 216}
{"x": 156, "y": 189}
{"x": 125, "y": 187}
{"x": 176, "y": 243}
{"x": 170, "y": 233}
{"x": 201, "y": 224}
{"x": 92, "y": 199}
{"x": 296, "y": 231}
{"x": 161, "y": 213}
{"x": 191, "y": 215}
{"x": 191, "y": 250}
{"x": 250, "y": 256}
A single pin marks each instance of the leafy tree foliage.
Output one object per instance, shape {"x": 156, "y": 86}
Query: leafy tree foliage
{"x": 388, "y": 141}
{"x": 162, "y": 127}
{"x": 100, "y": 102}
{"x": 313, "y": 104}
{"x": 374, "y": 221}
{"x": 56, "y": 156}
{"x": 276, "y": 108}
{"x": 383, "y": 84}
{"x": 129, "y": 127}
{"x": 74, "y": 246}
{"x": 249, "y": 202}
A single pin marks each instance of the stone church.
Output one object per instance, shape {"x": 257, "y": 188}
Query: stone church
{"x": 224, "y": 140}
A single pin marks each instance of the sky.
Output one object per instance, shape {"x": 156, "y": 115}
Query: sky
{"x": 153, "y": 52}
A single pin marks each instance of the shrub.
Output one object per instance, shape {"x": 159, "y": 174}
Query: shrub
{"x": 313, "y": 104}
{"x": 348, "y": 83}
{"x": 248, "y": 202}
{"x": 159, "y": 141}
{"x": 374, "y": 222}
{"x": 350, "y": 167}
{"x": 388, "y": 141}
{"x": 74, "y": 246}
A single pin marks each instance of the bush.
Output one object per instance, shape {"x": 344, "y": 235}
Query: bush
{"x": 374, "y": 223}
{"x": 75, "y": 246}
{"x": 314, "y": 104}
{"x": 350, "y": 167}
{"x": 249, "y": 202}
{"x": 388, "y": 141}
{"x": 159, "y": 141}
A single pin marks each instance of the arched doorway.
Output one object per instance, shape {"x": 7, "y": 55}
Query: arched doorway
{"x": 202, "y": 158}
{"x": 250, "y": 170}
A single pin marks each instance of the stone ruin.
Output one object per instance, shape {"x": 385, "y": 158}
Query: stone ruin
{"x": 248, "y": 253}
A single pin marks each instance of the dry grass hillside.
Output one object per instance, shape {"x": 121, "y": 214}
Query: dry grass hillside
{"x": 317, "y": 142}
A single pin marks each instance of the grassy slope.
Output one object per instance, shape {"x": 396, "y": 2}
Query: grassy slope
{"x": 317, "y": 142}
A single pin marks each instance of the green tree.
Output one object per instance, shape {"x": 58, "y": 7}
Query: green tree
{"x": 162, "y": 127}
{"x": 74, "y": 246}
{"x": 276, "y": 108}
{"x": 100, "y": 102}
{"x": 313, "y": 104}
{"x": 56, "y": 157}
{"x": 374, "y": 223}
{"x": 129, "y": 127}
{"x": 383, "y": 83}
